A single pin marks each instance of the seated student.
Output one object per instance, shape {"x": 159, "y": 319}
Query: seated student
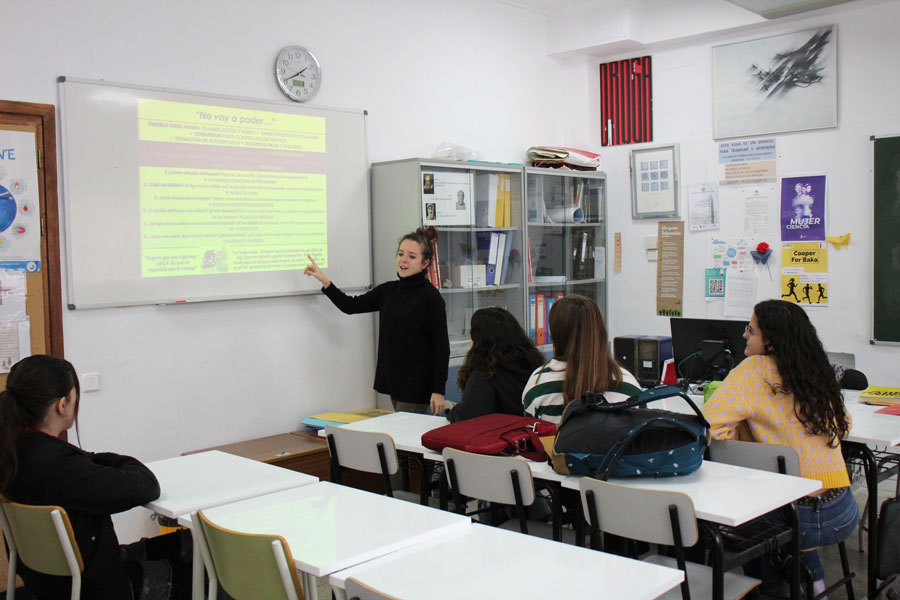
{"x": 496, "y": 367}
{"x": 37, "y": 467}
{"x": 785, "y": 392}
{"x": 582, "y": 362}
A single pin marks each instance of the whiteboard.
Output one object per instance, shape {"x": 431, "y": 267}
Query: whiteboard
{"x": 173, "y": 196}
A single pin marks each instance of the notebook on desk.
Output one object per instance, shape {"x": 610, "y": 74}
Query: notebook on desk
{"x": 319, "y": 421}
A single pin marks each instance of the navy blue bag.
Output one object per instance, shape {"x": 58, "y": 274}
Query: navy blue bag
{"x": 625, "y": 439}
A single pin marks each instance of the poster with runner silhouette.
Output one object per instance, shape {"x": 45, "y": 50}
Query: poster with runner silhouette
{"x": 804, "y": 274}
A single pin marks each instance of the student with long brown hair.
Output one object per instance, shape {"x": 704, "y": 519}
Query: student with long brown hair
{"x": 582, "y": 362}
{"x": 413, "y": 345}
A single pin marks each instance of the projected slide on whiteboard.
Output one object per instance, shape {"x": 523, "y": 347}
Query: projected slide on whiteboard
{"x": 177, "y": 197}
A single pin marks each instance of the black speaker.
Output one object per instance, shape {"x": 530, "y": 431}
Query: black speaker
{"x": 653, "y": 351}
{"x": 625, "y": 351}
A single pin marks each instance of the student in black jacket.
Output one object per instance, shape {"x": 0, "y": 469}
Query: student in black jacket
{"x": 38, "y": 467}
{"x": 413, "y": 345}
{"x": 497, "y": 366}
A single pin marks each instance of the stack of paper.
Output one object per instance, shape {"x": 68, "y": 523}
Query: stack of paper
{"x": 320, "y": 420}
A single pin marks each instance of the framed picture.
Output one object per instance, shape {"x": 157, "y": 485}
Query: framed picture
{"x": 654, "y": 182}
{"x": 775, "y": 84}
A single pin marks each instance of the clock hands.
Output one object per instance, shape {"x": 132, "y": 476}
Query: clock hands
{"x": 300, "y": 73}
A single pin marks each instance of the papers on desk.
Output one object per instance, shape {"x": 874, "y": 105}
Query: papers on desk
{"x": 880, "y": 396}
{"x": 893, "y": 409}
{"x": 319, "y": 421}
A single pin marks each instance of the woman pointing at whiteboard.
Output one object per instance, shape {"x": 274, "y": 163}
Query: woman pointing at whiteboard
{"x": 413, "y": 347}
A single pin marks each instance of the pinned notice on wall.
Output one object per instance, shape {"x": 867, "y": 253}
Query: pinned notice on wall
{"x": 703, "y": 206}
{"x": 743, "y": 162}
{"x": 15, "y": 329}
{"x": 670, "y": 269}
{"x": 20, "y": 226}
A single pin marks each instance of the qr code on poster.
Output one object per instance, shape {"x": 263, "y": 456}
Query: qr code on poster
{"x": 716, "y": 287}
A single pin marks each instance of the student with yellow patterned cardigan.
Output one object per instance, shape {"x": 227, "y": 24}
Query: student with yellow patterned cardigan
{"x": 785, "y": 392}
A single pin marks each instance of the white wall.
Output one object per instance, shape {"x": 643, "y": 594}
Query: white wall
{"x": 682, "y": 97}
{"x": 184, "y": 377}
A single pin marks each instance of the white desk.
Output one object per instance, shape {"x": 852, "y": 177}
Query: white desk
{"x": 331, "y": 527}
{"x": 196, "y": 481}
{"x": 724, "y": 494}
{"x": 405, "y": 429}
{"x": 869, "y": 427}
{"x": 487, "y": 562}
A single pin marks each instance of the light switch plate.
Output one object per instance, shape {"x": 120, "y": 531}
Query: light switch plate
{"x": 90, "y": 382}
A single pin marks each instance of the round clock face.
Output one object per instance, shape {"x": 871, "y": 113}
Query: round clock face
{"x": 298, "y": 73}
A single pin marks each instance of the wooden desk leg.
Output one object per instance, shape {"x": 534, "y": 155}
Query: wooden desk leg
{"x": 870, "y": 469}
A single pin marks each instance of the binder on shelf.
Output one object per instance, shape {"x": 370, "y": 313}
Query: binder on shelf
{"x": 500, "y": 267}
{"x": 494, "y": 241}
{"x": 506, "y": 253}
{"x": 550, "y": 301}
{"x": 487, "y": 191}
{"x": 532, "y": 317}
{"x": 540, "y": 327}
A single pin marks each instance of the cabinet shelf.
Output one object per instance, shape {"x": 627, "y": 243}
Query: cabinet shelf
{"x": 567, "y": 282}
{"x": 480, "y": 288}
{"x": 570, "y": 256}
{"x": 566, "y": 225}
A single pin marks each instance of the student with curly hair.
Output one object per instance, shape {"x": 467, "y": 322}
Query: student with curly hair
{"x": 496, "y": 367}
{"x": 413, "y": 345}
{"x": 785, "y": 392}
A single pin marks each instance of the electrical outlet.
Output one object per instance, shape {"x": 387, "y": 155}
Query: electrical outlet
{"x": 90, "y": 382}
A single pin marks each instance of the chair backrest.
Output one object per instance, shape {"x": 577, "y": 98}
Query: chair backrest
{"x": 359, "y": 449}
{"x": 44, "y": 541}
{"x": 249, "y": 565}
{"x": 357, "y": 590}
{"x": 753, "y": 455}
{"x": 489, "y": 477}
{"x": 639, "y": 514}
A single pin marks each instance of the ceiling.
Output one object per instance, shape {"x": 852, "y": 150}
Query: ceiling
{"x": 769, "y": 9}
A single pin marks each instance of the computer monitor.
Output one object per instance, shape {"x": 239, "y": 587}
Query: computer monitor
{"x": 706, "y": 349}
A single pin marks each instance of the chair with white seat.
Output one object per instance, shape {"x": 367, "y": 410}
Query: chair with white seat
{"x": 248, "y": 566}
{"x": 777, "y": 458}
{"x": 42, "y": 538}
{"x": 656, "y": 517}
{"x": 503, "y": 480}
{"x": 369, "y": 452}
{"x": 357, "y": 590}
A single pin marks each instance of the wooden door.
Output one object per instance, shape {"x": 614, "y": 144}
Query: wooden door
{"x": 43, "y": 289}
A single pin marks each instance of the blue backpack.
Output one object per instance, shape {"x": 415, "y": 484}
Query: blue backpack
{"x": 625, "y": 439}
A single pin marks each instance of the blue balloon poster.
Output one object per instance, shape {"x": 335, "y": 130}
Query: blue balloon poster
{"x": 803, "y": 208}
{"x": 20, "y": 232}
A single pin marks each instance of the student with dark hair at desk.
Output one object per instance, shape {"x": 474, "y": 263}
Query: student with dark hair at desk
{"x": 785, "y": 392}
{"x": 40, "y": 402}
{"x": 582, "y": 362}
{"x": 413, "y": 345}
{"x": 496, "y": 367}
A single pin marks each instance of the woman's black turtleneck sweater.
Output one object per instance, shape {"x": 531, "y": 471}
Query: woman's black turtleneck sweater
{"x": 413, "y": 347}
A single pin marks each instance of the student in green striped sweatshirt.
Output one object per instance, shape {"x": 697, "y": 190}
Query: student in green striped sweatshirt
{"x": 582, "y": 362}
